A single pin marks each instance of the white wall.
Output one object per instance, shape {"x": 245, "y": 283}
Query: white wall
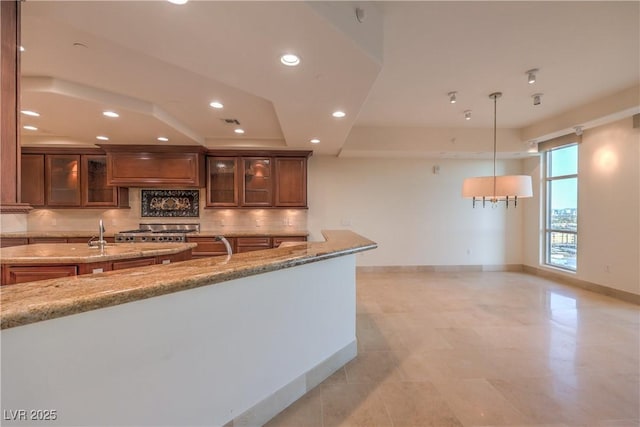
{"x": 608, "y": 208}
{"x": 416, "y": 217}
{"x": 201, "y": 357}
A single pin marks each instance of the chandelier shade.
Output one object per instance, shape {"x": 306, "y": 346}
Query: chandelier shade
{"x": 495, "y": 188}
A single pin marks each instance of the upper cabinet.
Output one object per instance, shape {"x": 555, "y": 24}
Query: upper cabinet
{"x": 222, "y": 181}
{"x": 155, "y": 166}
{"x": 246, "y": 179}
{"x": 58, "y": 178}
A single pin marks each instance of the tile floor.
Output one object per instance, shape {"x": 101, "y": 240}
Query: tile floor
{"x": 481, "y": 349}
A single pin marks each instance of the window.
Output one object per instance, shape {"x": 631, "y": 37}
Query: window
{"x": 561, "y": 228}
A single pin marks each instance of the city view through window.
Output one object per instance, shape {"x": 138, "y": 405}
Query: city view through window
{"x": 562, "y": 207}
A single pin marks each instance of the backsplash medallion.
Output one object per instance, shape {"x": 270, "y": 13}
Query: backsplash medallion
{"x": 170, "y": 203}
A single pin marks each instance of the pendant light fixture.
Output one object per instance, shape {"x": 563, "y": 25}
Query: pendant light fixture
{"x": 497, "y": 188}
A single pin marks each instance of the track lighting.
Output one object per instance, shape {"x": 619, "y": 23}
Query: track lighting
{"x": 452, "y": 97}
{"x": 537, "y": 98}
{"x": 531, "y": 75}
{"x": 467, "y": 115}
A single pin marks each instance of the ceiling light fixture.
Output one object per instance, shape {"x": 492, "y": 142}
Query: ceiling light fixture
{"x": 290, "y": 59}
{"x": 314, "y": 141}
{"x": 102, "y": 138}
{"x": 497, "y": 188}
{"x": 467, "y": 115}
{"x": 111, "y": 114}
{"x": 178, "y": 1}
{"x": 240, "y": 131}
{"x": 579, "y": 130}
{"x": 22, "y": 49}
{"x": 339, "y": 114}
{"x": 163, "y": 139}
{"x": 29, "y": 127}
{"x": 532, "y": 147}
{"x": 30, "y": 113}
{"x": 537, "y": 98}
{"x": 531, "y": 75}
{"x": 216, "y": 104}
{"x": 452, "y": 97}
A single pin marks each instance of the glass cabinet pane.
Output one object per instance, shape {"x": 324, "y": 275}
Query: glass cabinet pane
{"x": 223, "y": 182}
{"x": 97, "y": 192}
{"x": 64, "y": 180}
{"x": 258, "y": 183}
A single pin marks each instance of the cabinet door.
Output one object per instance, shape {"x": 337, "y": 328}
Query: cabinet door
{"x": 291, "y": 182}
{"x": 208, "y": 246}
{"x": 250, "y": 244}
{"x": 222, "y": 181}
{"x": 257, "y": 185}
{"x": 12, "y": 274}
{"x": 63, "y": 180}
{"x": 32, "y": 179}
{"x": 95, "y": 191}
{"x": 141, "y": 262}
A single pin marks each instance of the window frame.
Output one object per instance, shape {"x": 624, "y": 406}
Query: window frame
{"x": 548, "y": 230}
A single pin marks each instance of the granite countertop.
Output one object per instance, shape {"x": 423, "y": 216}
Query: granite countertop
{"x": 81, "y": 253}
{"x": 228, "y": 232}
{"x": 32, "y": 302}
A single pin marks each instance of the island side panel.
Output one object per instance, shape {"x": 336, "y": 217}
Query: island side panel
{"x": 203, "y": 356}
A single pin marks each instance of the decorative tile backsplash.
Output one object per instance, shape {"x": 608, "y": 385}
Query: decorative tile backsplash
{"x": 170, "y": 203}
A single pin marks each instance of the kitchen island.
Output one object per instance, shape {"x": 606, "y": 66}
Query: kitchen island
{"x": 201, "y": 342}
{"x": 52, "y": 260}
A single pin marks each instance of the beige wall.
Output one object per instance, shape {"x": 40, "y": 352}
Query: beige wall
{"x": 608, "y": 208}
{"x": 416, "y": 217}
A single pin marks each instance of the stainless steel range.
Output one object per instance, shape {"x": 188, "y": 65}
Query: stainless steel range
{"x": 157, "y": 233}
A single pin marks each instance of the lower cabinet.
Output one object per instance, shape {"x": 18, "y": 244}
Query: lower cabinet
{"x": 250, "y": 244}
{"x": 13, "y": 241}
{"x": 278, "y": 240}
{"x": 208, "y": 246}
{"x": 132, "y": 263}
{"x": 12, "y": 274}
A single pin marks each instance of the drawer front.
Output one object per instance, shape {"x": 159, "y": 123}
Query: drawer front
{"x": 13, "y": 241}
{"x": 278, "y": 240}
{"x": 33, "y": 240}
{"x": 121, "y": 265}
{"x": 264, "y": 242}
{"x": 207, "y": 246}
{"x": 21, "y": 274}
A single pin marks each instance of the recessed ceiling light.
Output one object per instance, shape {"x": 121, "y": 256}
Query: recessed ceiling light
{"x": 111, "y": 114}
{"x": 30, "y": 113}
{"x": 339, "y": 114}
{"x": 290, "y": 59}
{"x": 314, "y": 141}
{"x": 163, "y": 138}
{"x": 178, "y": 1}
{"x": 531, "y": 75}
{"x": 29, "y": 127}
{"x": 452, "y": 97}
{"x": 467, "y": 115}
{"x": 238, "y": 130}
{"x": 102, "y": 138}
{"x": 216, "y": 104}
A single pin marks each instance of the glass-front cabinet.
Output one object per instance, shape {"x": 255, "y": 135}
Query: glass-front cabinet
{"x": 96, "y": 192}
{"x": 63, "y": 171}
{"x": 222, "y": 181}
{"x": 257, "y": 184}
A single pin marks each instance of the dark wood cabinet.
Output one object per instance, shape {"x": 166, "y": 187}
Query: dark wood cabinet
{"x": 95, "y": 190}
{"x": 257, "y": 179}
{"x": 63, "y": 180}
{"x": 280, "y": 239}
{"x": 291, "y": 182}
{"x": 6, "y": 242}
{"x": 222, "y": 181}
{"x": 250, "y": 244}
{"x": 67, "y": 178}
{"x": 257, "y": 183}
{"x": 12, "y": 274}
{"x": 208, "y": 246}
{"x": 143, "y": 166}
{"x": 32, "y": 179}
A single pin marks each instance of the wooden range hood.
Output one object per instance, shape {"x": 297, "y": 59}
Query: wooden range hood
{"x": 155, "y": 166}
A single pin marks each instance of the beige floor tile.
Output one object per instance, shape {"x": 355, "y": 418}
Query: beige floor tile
{"x": 481, "y": 349}
{"x": 477, "y": 402}
{"x": 353, "y": 405}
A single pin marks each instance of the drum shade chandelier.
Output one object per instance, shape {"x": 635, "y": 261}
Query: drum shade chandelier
{"x": 494, "y": 188}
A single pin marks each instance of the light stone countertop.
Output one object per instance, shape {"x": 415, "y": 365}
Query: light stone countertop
{"x": 81, "y": 253}
{"x": 32, "y": 302}
{"x": 228, "y": 232}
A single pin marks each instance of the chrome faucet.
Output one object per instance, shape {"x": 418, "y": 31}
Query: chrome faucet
{"x": 100, "y": 243}
{"x": 226, "y": 245}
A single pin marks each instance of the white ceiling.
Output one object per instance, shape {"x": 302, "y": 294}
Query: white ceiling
{"x": 159, "y": 65}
